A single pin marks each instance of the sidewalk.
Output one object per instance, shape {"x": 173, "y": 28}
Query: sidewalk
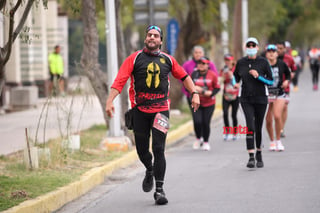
{"x": 85, "y": 112}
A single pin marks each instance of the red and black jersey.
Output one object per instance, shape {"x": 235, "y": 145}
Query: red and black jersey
{"x": 149, "y": 74}
{"x": 288, "y": 59}
{"x": 208, "y": 81}
{"x": 227, "y": 81}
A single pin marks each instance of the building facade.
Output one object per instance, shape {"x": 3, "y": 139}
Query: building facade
{"x": 28, "y": 63}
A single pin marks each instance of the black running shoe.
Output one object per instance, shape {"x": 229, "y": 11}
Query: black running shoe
{"x": 251, "y": 163}
{"x": 160, "y": 198}
{"x": 260, "y": 164}
{"x": 147, "y": 183}
{"x": 259, "y": 160}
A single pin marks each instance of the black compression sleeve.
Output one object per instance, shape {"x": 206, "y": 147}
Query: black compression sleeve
{"x": 184, "y": 78}
{"x": 215, "y": 91}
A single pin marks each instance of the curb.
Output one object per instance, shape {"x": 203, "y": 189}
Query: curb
{"x": 52, "y": 201}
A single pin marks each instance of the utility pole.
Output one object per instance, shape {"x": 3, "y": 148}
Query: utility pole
{"x": 151, "y": 12}
{"x": 112, "y": 64}
{"x": 244, "y": 15}
{"x": 224, "y": 19}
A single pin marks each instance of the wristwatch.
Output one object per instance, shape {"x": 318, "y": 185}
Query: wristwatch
{"x": 195, "y": 92}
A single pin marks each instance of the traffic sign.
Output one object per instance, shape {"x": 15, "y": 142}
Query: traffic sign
{"x": 151, "y": 12}
{"x": 172, "y": 36}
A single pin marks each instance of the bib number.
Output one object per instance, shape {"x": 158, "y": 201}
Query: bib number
{"x": 161, "y": 123}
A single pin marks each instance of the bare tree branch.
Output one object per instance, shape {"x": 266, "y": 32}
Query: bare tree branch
{"x": 13, "y": 35}
{"x": 2, "y": 4}
{"x": 23, "y": 19}
{"x": 5, "y": 52}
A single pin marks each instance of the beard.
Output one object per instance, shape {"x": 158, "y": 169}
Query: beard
{"x": 152, "y": 47}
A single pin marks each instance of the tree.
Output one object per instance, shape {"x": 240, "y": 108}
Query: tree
{"x": 305, "y": 28}
{"x": 12, "y": 32}
{"x": 195, "y": 18}
{"x": 292, "y": 9}
{"x": 236, "y": 31}
{"x": 90, "y": 54}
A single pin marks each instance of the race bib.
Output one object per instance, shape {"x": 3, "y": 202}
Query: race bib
{"x": 272, "y": 98}
{"x": 161, "y": 122}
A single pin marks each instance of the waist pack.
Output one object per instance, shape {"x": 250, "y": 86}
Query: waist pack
{"x": 273, "y": 91}
{"x": 128, "y": 115}
{"x": 128, "y": 118}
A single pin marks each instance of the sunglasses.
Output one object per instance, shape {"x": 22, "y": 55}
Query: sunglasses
{"x": 202, "y": 63}
{"x": 271, "y": 50}
{"x": 251, "y": 45}
{"x": 153, "y": 27}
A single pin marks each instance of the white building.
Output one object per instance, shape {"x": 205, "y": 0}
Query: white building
{"x": 28, "y": 63}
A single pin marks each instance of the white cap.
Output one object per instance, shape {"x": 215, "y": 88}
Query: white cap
{"x": 287, "y": 44}
{"x": 253, "y": 40}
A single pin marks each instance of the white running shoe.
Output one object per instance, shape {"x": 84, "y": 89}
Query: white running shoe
{"x": 196, "y": 145}
{"x": 235, "y": 137}
{"x": 201, "y": 141}
{"x": 280, "y": 147}
{"x": 206, "y": 146}
{"x": 273, "y": 146}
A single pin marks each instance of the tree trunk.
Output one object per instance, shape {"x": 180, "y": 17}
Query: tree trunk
{"x": 237, "y": 35}
{"x": 2, "y": 78}
{"x": 2, "y": 83}
{"x": 90, "y": 54}
{"x": 190, "y": 34}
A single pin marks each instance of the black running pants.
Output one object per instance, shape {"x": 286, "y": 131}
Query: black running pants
{"x": 296, "y": 76}
{"x": 143, "y": 126}
{"x": 254, "y": 114}
{"x": 234, "y": 106}
{"x": 201, "y": 121}
{"x": 315, "y": 73}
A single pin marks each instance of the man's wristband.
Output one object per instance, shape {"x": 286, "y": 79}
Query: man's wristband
{"x": 195, "y": 92}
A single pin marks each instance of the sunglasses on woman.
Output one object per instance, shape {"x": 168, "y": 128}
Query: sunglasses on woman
{"x": 251, "y": 45}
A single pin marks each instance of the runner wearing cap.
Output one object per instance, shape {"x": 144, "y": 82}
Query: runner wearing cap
{"x": 276, "y": 97}
{"x": 298, "y": 62}
{"x": 229, "y": 97}
{"x": 190, "y": 66}
{"x": 208, "y": 86}
{"x": 255, "y": 73}
{"x": 149, "y": 71}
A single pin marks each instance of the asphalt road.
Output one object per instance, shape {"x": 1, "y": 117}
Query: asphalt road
{"x": 218, "y": 180}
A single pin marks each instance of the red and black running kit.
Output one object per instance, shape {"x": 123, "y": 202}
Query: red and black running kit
{"x": 292, "y": 66}
{"x": 149, "y": 79}
{"x": 149, "y": 87}
{"x": 253, "y": 95}
{"x": 202, "y": 117}
{"x": 229, "y": 98}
